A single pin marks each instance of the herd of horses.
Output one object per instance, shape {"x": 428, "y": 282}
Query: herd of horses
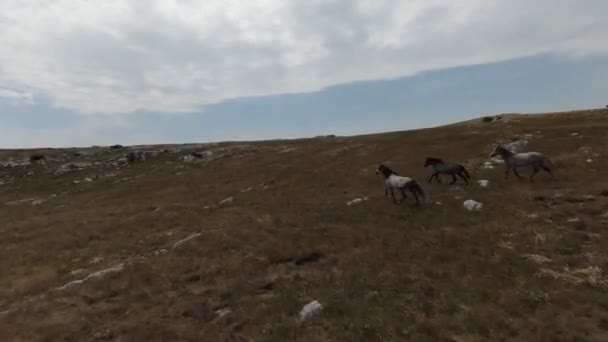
{"x": 513, "y": 161}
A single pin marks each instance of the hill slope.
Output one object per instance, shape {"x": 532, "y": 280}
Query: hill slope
{"x": 230, "y": 245}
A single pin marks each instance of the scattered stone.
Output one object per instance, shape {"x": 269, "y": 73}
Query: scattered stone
{"x": 187, "y": 159}
{"x": 488, "y": 165}
{"x": 575, "y": 134}
{"x": 92, "y": 276}
{"x": 202, "y": 154}
{"x": 135, "y": 156}
{"x": 105, "y": 334}
{"x": 87, "y": 180}
{"x": 536, "y": 258}
{"x": 226, "y": 201}
{"x": 191, "y": 237}
{"x": 247, "y": 190}
{"x": 483, "y": 183}
{"x": 96, "y": 260}
{"x": 310, "y": 310}
{"x": 472, "y": 205}
{"x": 355, "y": 201}
{"x": 38, "y": 202}
{"x": 438, "y": 203}
{"x": 160, "y": 251}
{"x": 72, "y": 167}
{"x": 533, "y": 216}
{"x": 223, "y": 312}
{"x": 573, "y": 220}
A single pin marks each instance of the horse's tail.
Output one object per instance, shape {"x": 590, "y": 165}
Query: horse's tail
{"x": 465, "y": 172}
{"x": 418, "y": 189}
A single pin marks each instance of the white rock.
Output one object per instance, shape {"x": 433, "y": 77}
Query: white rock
{"x": 87, "y": 180}
{"x": 575, "y": 134}
{"x": 483, "y": 183}
{"x": 438, "y": 203}
{"x": 589, "y": 160}
{"x": 96, "y": 275}
{"x": 223, "y": 312}
{"x": 191, "y": 237}
{"x": 310, "y": 310}
{"x": 356, "y": 200}
{"x": 472, "y": 205}
{"x": 38, "y": 202}
{"x": 226, "y": 201}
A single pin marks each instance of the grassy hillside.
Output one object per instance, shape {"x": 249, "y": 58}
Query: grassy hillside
{"x": 528, "y": 267}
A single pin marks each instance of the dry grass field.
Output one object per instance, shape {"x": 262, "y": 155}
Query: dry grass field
{"x": 98, "y": 253}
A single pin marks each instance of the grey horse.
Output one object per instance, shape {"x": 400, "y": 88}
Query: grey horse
{"x": 441, "y": 167}
{"x": 514, "y": 161}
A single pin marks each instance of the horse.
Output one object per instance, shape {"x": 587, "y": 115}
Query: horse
{"x": 440, "y": 167}
{"x": 393, "y": 181}
{"x": 524, "y": 159}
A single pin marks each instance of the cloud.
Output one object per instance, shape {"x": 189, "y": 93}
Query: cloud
{"x": 120, "y": 56}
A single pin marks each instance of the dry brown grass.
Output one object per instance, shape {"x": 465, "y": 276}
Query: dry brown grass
{"x": 528, "y": 267}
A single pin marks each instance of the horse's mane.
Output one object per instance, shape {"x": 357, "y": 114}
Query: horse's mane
{"x": 434, "y": 159}
{"x": 388, "y": 169}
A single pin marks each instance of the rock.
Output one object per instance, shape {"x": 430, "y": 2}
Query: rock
{"x": 134, "y": 156}
{"x": 160, "y": 252}
{"x": 99, "y": 274}
{"x": 223, "y": 312}
{"x": 202, "y": 154}
{"x": 589, "y": 160}
{"x": 472, "y": 205}
{"x": 483, "y": 183}
{"x": 38, "y": 202}
{"x": 247, "y": 190}
{"x": 87, "y": 180}
{"x": 116, "y": 147}
{"x": 96, "y": 260}
{"x": 105, "y": 334}
{"x": 226, "y": 201}
{"x": 355, "y": 201}
{"x": 187, "y": 159}
{"x": 575, "y": 134}
{"x": 66, "y": 168}
{"x": 310, "y": 310}
{"x": 488, "y": 165}
{"x": 182, "y": 241}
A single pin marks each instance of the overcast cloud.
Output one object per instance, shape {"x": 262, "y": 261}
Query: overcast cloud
{"x": 123, "y": 56}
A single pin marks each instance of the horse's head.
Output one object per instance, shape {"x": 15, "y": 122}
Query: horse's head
{"x": 431, "y": 161}
{"x": 384, "y": 170}
{"x": 496, "y": 151}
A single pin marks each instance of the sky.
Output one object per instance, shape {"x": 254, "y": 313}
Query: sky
{"x": 81, "y": 73}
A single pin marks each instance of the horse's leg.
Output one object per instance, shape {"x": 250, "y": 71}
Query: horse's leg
{"x": 466, "y": 181}
{"x": 517, "y": 173}
{"x": 393, "y": 196}
{"x": 386, "y": 191}
{"x": 431, "y": 178}
{"x": 416, "y": 197}
{"x": 534, "y": 172}
{"x": 453, "y": 178}
{"x": 507, "y": 172}
{"x": 403, "y": 195}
